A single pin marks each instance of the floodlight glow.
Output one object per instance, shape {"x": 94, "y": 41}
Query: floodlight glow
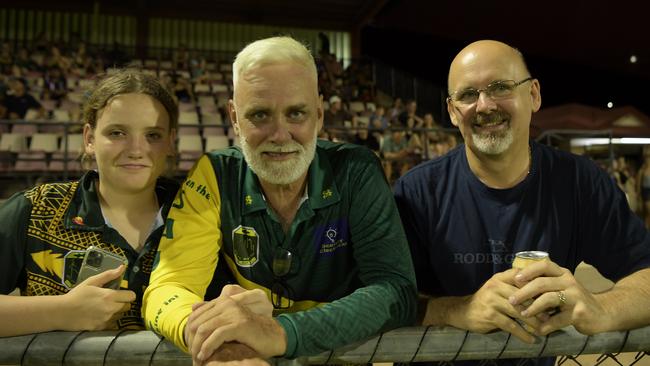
{"x": 635, "y": 140}
{"x": 607, "y": 141}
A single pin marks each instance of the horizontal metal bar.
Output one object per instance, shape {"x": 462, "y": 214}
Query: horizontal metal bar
{"x": 401, "y": 345}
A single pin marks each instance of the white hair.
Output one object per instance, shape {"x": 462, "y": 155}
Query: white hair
{"x": 273, "y": 50}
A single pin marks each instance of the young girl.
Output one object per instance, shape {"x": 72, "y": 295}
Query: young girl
{"x": 130, "y": 123}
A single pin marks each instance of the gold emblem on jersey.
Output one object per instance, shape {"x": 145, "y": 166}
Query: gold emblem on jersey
{"x": 245, "y": 246}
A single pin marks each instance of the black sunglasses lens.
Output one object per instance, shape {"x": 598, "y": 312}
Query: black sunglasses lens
{"x": 281, "y": 262}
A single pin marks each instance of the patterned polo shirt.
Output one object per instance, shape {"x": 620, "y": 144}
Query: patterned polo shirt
{"x": 45, "y": 231}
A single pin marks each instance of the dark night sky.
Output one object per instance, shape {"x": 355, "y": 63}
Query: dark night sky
{"x": 562, "y": 81}
{"x": 579, "y": 50}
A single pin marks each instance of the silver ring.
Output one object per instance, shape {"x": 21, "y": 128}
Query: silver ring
{"x": 562, "y": 297}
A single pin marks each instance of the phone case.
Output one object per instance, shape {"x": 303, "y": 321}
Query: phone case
{"x": 96, "y": 261}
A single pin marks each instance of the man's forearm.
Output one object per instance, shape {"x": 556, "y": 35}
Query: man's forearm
{"x": 440, "y": 311}
{"x": 365, "y": 312}
{"x": 628, "y": 302}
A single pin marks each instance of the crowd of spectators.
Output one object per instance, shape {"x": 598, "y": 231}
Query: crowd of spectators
{"x": 47, "y": 81}
{"x": 398, "y": 133}
{"x": 44, "y": 77}
{"x": 401, "y": 137}
{"x": 632, "y": 176}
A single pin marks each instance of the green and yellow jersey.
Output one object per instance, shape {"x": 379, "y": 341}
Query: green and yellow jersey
{"x": 350, "y": 276}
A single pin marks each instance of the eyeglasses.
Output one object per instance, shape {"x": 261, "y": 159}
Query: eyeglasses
{"x": 499, "y": 89}
{"x": 281, "y": 293}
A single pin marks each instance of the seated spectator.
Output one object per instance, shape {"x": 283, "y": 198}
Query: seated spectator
{"x": 365, "y": 82}
{"x": 332, "y": 65}
{"x": 55, "y": 86}
{"x": 626, "y": 180}
{"x": 398, "y": 155}
{"x": 378, "y": 118}
{"x": 409, "y": 118}
{"x": 81, "y": 61}
{"x": 18, "y": 101}
{"x": 395, "y": 110}
{"x": 351, "y": 73}
{"x": 431, "y": 133}
{"x": 439, "y": 144}
{"x": 182, "y": 88}
{"x": 348, "y": 90}
{"x": 335, "y": 119}
{"x": 181, "y": 57}
{"x": 377, "y": 128}
{"x": 325, "y": 84}
{"x": 24, "y": 62}
{"x": 364, "y": 138}
{"x": 413, "y": 136}
{"x": 56, "y": 58}
{"x": 197, "y": 66}
{"x": 429, "y": 122}
{"x": 97, "y": 65}
{"x": 323, "y": 134}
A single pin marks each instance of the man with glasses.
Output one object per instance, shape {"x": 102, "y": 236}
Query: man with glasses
{"x": 309, "y": 229}
{"x": 467, "y": 213}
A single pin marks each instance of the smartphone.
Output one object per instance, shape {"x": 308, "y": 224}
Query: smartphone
{"x": 98, "y": 260}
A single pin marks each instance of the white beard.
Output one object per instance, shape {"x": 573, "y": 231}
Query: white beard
{"x": 493, "y": 143}
{"x": 279, "y": 172}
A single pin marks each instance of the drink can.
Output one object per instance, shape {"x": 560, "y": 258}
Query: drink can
{"x": 521, "y": 261}
{"x": 524, "y": 259}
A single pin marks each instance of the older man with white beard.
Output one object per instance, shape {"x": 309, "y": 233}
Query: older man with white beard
{"x": 467, "y": 213}
{"x": 308, "y": 229}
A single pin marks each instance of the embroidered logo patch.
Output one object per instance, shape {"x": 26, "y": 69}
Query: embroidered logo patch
{"x": 245, "y": 246}
{"x": 331, "y": 237}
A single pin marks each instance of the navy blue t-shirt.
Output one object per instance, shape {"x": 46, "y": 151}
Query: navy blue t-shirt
{"x": 462, "y": 232}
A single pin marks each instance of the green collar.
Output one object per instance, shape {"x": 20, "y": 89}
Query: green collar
{"x": 84, "y": 212}
{"x": 321, "y": 185}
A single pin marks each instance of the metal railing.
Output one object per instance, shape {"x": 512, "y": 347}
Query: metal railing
{"x": 410, "y": 344}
